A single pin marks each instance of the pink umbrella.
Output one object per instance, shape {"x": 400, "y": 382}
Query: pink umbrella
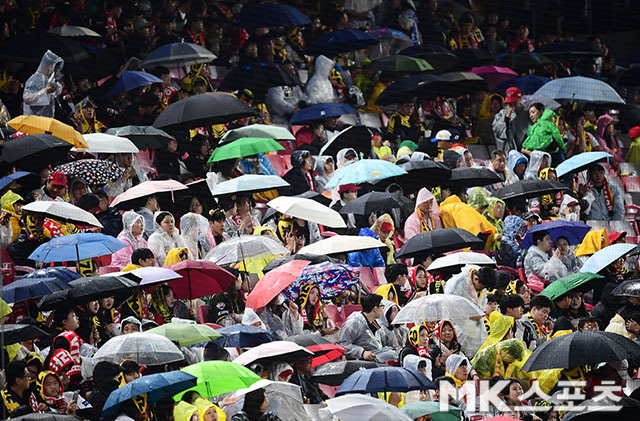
{"x": 199, "y": 279}
{"x": 148, "y": 188}
{"x": 274, "y": 282}
{"x": 280, "y": 350}
{"x": 494, "y": 75}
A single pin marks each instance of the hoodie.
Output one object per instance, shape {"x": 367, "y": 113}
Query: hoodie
{"x": 390, "y": 335}
{"x": 608, "y": 143}
{"x": 367, "y": 258}
{"x": 160, "y": 242}
{"x": 417, "y": 222}
{"x": 514, "y": 158}
{"x": 535, "y": 165}
{"x": 36, "y": 99}
{"x": 122, "y": 257}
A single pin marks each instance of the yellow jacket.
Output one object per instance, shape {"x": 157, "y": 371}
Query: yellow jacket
{"x": 592, "y": 242}
{"x": 456, "y": 214}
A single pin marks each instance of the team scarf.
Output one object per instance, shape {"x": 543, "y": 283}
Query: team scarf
{"x": 196, "y": 38}
{"x": 134, "y": 303}
{"x": 303, "y": 299}
{"x": 465, "y": 42}
{"x": 424, "y": 224}
{"x": 38, "y": 395}
{"x": 93, "y": 126}
{"x": 541, "y": 331}
{"x": 414, "y": 340}
{"x": 139, "y": 401}
{"x": 160, "y": 306}
{"x": 608, "y": 196}
{"x": 167, "y": 95}
{"x": 112, "y": 24}
{"x": 312, "y": 185}
{"x": 9, "y": 401}
{"x": 547, "y": 199}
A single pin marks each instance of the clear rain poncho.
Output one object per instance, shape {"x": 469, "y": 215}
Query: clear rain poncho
{"x": 535, "y": 165}
{"x": 36, "y": 99}
{"x": 123, "y": 183}
{"x": 122, "y": 257}
{"x": 160, "y": 242}
{"x": 319, "y": 87}
{"x": 194, "y": 232}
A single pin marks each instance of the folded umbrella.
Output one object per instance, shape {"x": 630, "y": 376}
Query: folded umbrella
{"x": 525, "y": 189}
{"x": 435, "y": 411}
{"x": 603, "y": 258}
{"x": 33, "y": 124}
{"x": 307, "y": 209}
{"x": 460, "y": 259}
{"x": 129, "y": 198}
{"x": 334, "y": 373}
{"x": 218, "y": 377}
{"x": 249, "y": 183}
{"x": 271, "y": 284}
{"x": 341, "y": 41}
{"x": 580, "y": 88}
{"x": 436, "y": 307}
{"x": 399, "y": 63}
{"x": 573, "y": 231}
{"x": 324, "y": 350}
{"x": 199, "y": 279}
{"x": 14, "y": 333}
{"x": 74, "y": 31}
{"x": 630, "y": 288}
{"x": 356, "y": 137}
{"x": 527, "y": 84}
{"x": 581, "y": 162}
{"x": 95, "y": 172}
{"x": 244, "y": 247}
{"x": 321, "y": 111}
{"x": 263, "y": 131}
{"x": 28, "y": 288}
{"x": 271, "y": 15}
{"x": 372, "y": 202}
{"x": 258, "y": 78}
{"x": 494, "y": 75}
{"x": 332, "y": 278}
{"x": 244, "y": 147}
{"x": 178, "y": 54}
{"x": 364, "y": 171}
{"x": 35, "y": 151}
{"x": 26, "y": 181}
{"x": 339, "y": 244}
{"x": 419, "y": 174}
{"x": 385, "y": 379}
{"x": 576, "y": 281}
{"x": 143, "y": 348}
{"x": 130, "y": 80}
{"x": 363, "y": 407}
{"x": 438, "y": 241}
{"x": 276, "y": 350}
{"x": 243, "y": 336}
{"x": 473, "y": 177}
{"x": 144, "y": 137}
{"x": 76, "y": 247}
{"x": 186, "y": 334}
{"x": 107, "y": 143}
{"x": 63, "y": 212}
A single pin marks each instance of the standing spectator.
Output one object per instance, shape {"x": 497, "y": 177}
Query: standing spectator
{"x": 42, "y": 87}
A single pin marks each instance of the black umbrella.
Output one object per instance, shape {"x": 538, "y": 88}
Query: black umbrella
{"x": 439, "y": 57}
{"x": 599, "y": 408}
{"x": 425, "y": 173}
{"x": 356, "y": 137}
{"x": 423, "y": 86}
{"x": 203, "y": 110}
{"x": 462, "y": 83}
{"x": 35, "y": 151}
{"x": 525, "y": 189}
{"x": 46, "y": 416}
{"x": 14, "y": 333}
{"x": 372, "y": 202}
{"x": 468, "y": 58}
{"x": 438, "y": 241}
{"x": 90, "y": 288}
{"x": 258, "y": 77}
{"x": 522, "y": 62}
{"x": 334, "y": 373}
{"x": 29, "y": 48}
{"x": 178, "y": 54}
{"x": 473, "y": 177}
{"x": 581, "y": 348}
{"x": 313, "y": 258}
{"x": 569, "y": 50}
{"x": 630, "y": 288}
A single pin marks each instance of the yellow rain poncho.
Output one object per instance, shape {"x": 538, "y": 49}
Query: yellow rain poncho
{"x": 499, "y": 327}
{"x": 175, "y": 255}
{"x": 184, "y": 411}
{"x": 594, "y": 241}
{"x": 504, "y": 359}
{"x": 383, "y": 291}
{"x": 7, "y": 201}
{"x": 203, "y": 406}
{"x": 5, "y": 311}
{"x": 456, "y": 214}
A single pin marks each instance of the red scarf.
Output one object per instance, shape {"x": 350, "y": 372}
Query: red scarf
{"x": 111, "y": 25}
{"x": 312, "y": 185}
{"x": 196, "y": 38}
{"x": 608, "y": 197}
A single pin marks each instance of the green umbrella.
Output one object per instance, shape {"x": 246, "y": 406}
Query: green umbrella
{"x": 186, "y": 334}
{"x": 422, "y": 408}
{"x": 562, "y": 286}
{"x": 399, "y": 64}
{"x": 218, "y": 377}
{"x": 242, "y": 147}
{"x": 263, "y": 131}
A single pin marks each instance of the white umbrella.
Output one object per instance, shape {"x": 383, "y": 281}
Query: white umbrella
{"x": 283, "y": 350}
{"x": 106, "y": 143}
{"x": 307, "y": 209}
{"x": 285, "y": 399}
{"x": 341, "y": 244}
{"x": 249, "y": 183}
{"x": 147, "y": 189}
{"x": 461, "y": 259}
{"x": 529, "y": 100}
{"x": 437, "y": 307}
{"x": 354, "y": 407}
{"x": 148, "y": 275}
{"x": 257, "y": 130}
{"x": 62, "y": 211}
{"x": 244, "y": 247}
{"x": 143, "y": 348}
{"x": 74, "y": 31}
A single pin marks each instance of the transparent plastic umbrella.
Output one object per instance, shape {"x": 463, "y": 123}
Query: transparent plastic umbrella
{"x": 244, "y": 247}
{"x": 143, "y": 348}
{"x": 362, "y": 407}
{"x": 437, "y": 307}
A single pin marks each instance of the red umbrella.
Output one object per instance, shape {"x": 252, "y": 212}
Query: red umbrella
{"x": 326, "y": 353}
{"x": 199, "y": 279}
{"x": 494, "y": 75}
{"x": 271, "y": 284}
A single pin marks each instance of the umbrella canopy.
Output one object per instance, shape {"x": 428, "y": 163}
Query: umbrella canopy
{"x": 76, "y": 247}
{"x": 90, "y": 288}
{"x": 244, "y": 147}
{"x": 74, "y": 31}
{"x": 529, "y": 100}
{"x": 423, "y": 86}
{"x": 218, "y": 377}
{"x": 439, "y": 57}
{"x": 276, "y": 350}
{"x": 63, "y": 212}
{"x": 143, "y": 348}
{"x": 372, "y": 202}
{"x": 199, "y": 279}
{"x": 603, "y": 258}
{"x": 155, "y": 386}
{"x": 35, "y": 151}
{"x": 144, "y": 137}
{"x": 258, "y": 78}
{"x": 438, "y": 241}
{"x": 399, "y": 63}
{"x": 341, "y": 244}
{"x": 28, "y": 288}
{"x": 630, "y": 288}
{"x": 313, "y": 258}
{"x": 462, "y": 83}
{"x": 581, "y": 348}
{"x": 26, "y": 180}
{"x": 243, "y": 336}
{"x": 321, "y": 111}
{"x": 573, "y": 231}
{"x": 271, "y": 284}
{"x": 332, "y": 278}
{"x": 263, "y": 131}
{"x": 525, "y": 189}
{"x": 130, "y": 80}
{"x": 522, "y": 62}
{"x": 178, "y": 54}
{"x": 307, "y": 209}
{"x": 33, "y": 124}
{"x": 437, "y": 307}
{"x": 472, "y": 57}
{"x": 434, "y": 410}
{"x": 14, "y": 333}
{"x": 334, "y": 373}
{"x": 385, "y": 379}
{"x": 324, "y": 350}
{"x": 46, "y": 416}
{"x": 290, "y": 405}
{"x": 153, "y": 275}
{"x": 95, "y": 172}
{"x": 419, "y": 174}
{"x": 527, "y": 84}
{"x": 128, "y": 199}
{"x": 30, "y": 47}
{"x": 364, "y": 171}
{"x": 356, "y": 137}
{"x": 562, "y": 286}
{"x": 494, "y": 75}
{"x": 461, "y": 259}
{"x": 363, "y": 407}
{"x": 107, "y": 143}
{"x": 244, "y": 247}
{"x": 580, "y": 88}
{"x": 569, "y": 50}
{"x": 58, "y": 272}
{"x": 341, "y": 41}
{"x": 186, "y": 334}
{"x": 249, "y": 183}
{"x": 203, "y": 110}
{"x": 473, "y": 177}
{"x": 581, "y": 162}
{"x": 271, "y": 15}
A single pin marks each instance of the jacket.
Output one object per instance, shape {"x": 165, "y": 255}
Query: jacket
{"x": 122, "y": 257}
{"x": 366, "y": 258}
{"x": 36, "y": 99}
{"x": 543, "y": 133}
{"x": 510, "y": 134}
{"x": 393, "y": 336}
{"x": 598, "y": 210}
{"x": 538, "y": 263}
{"x": 413, "y": 225}
{"x": 456, "y": 214}
{"x": 160, "y": 242}
{"x": 356, "y": 337}
{"x": 111, "y": 221}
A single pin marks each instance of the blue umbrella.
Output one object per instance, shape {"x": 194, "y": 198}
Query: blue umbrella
{"x": 58, "y": 272}
{"x": 156, "y": 386}
{"x": 603, "y": 258}
{"x": 385, "y": 379}
{"x": 580, "y": 88}
{"x": 33, "y": 179}
{"x": 271, "y": 15}
{"x": 249, "y": 183}
{"x": 364, "y": 171}
{"x": 244, "y": 336}
{"x": 572, "y": 231}
{"x": 76, "y": 247}
{"x": 320, "y": 111}
{"x": 342, "y": 41}
{"x": 131, "y": 80}
{"x": 27, "y": 288}
{"x": 178, "y": 54}
{"x": 527, "y": 84}
{"x": 580, "y": 162}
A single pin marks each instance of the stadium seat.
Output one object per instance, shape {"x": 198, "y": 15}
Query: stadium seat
{"x": 347, "y": 309}
{"x": 334, "y": 313}
{"x": 598, "y": 225}
{"x": 203, "y": 310}
{"x": 632, "y": 184}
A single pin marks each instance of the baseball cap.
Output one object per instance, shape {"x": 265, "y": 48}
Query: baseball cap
{"x": 348, "y": 187}
{"x": 513, "y": 94}
{"x": 442, "y": 135}
{"x": 58, "y": 178}
{"x": 634, "y": 132}
{"x": 386, "y": 226}
{"x": 531, "y": 215}
{"x": 615, "y": 236}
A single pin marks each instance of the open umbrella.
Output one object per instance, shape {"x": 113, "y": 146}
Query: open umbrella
{"x": 244, "y": 147}
{"x": 522, "y": 62}
{"x": 313, "y": 258}
{"x": 603, "y": 258}
{"x": 244, "y": 247}
{"x": 74, "y": 31}
{"x": 324, "y": 350}
{"x": 258, "y": 78}
{"x": 438, "y": 241}
{"x": 372, "y": 202}
{"x": 155, "y": 386}
{"x": 30, "y": 47}
{"x": 461, "y": 259}
{"x": 581, "y": 348}
{"x": 356, "y": 137}
{"x": 152, "y": 275}
{"x": 129, "y": 199}
{"x": 385, "y": 379}
{"x": 422, "y": 86}
{"x": 271, "y": 15}
{"x": 529, "y": 100}
{"x": 341, "y": 41}
{"x": 581, "y": 162}
{"x": 276, "y": 350}
{"x": 307, "y": 209}
{"x": 439, "y": 57}
{"x": 178, "y": 54}
{"x": 462, "y": 83}
{"x": 82, "y": 290}
{"x": 437, "y": 307}
{"x": 362, "y": 407}
{"x": 130, "y": 80}
{"x": 144, "y": 137}
{"x": 199, "y": 279}
{"x": 218, "y": 377}
{"x": 419, "y": 174}
{"x": 399, "y": 63}
{"x": 332, "y": 278}
{"x": 107, "y": 143}
{"x": 14, "y": 333}
{"x": 472, "y": 57}
{"x": 271, "y": 284}
{"x": 434, "y": 410}
{"x": 321, "y": 111}
{"x": 28, "y": 288}
{"x": 527, "y": 84}
{"x": 573, "y": 231}
{"x": 203, "y": 110}
{"x": 63, "y": 212}
{"x": 24, "y": 179}
{"x": 569, "y": 50}
{"x": 286, "y": 397}
{"x": 33, "y": 124}
{"x": 95, "y": 172}
{"x": 35, "y": 151}
{"x": 263, "y": 131}
{"x": 76, "y": 247}
{"x": 186, "y": 334}
{"x": 339, "y": 244}
{"x": 58, "y": 272}
{"x": 630, "y": 288}
{"x": 525, "y": 189}
{"x": 472, "y": 177}
{"x": 249, "y": 183}
{"x": 333, "y": 373}
{"x": 494, "y": 75}
{"x": 243, "y": 336}
{"x": 143, "y": 348}
{"x": 364, "y": 171}
{"x": 45, "y": 416}
{"x": 562, "y": 286}
{"x": 580, "y": 88}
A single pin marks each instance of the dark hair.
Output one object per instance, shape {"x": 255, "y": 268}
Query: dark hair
{"x": 213, "y": 352}
{"x": 141, "y": 254}
{"x": 252, "y": 403}
{"x": 130, "y": 367}
{"x": 538, "y": 106}
{"x": 502, "y": 278}
{"x": 394, "y": 270}
{"x": 164, "y": 408}
{"x": 369, "y": 302}
{"x": 161, "y": 216}
{"x": 61, "y": 313}
{"x": 510, "y": 301}
{"x": 497, "y": 152}
{"x": 101, "y": 194}
{"x": 539, "y": 236}
{"x": 438, "y": 381}
{"x": 487, "y": 276}
{"x": 540, "y": 301}
{"x": 492, "y": 298}
{"x": 216, "y": 216}
{"x": 14, "y": 371}
{"x": 188, "y": 396}
{"x": 505, "y": 391}
{"x": 158, "y": 71}
{"x": 587, "y": 319}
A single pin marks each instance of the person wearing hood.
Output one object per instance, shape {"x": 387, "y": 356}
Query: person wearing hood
{"x": 456, "y": 214}
{"x": 46, "y": 395}
{"x": 420, "y": 364}
{"x": 12, "y": 205}
{"x": 537, "y": 261}
{"x": 569, "y": 208}
{"x": 550, "y": 204}
{"x": 543, "y": 134}
{"x": 131, "y": 236}
{"x": 184, "y": 411}
{"x": 300, "y": 176}
{"x": 165, "y": 306}
{"x": 417, "y": 343}
{"x": 209, "y": 411}
{"x": 130, "y": 325}
{"x": 106, "y": 378}
{"x": 319, "y": 88}
{"x": 510, "y": 252}
{"x": 499, "y": 167}
{"x": 194, "y": 231}
{"x": 457, "y": 368}
{"x": 345, "y": 157}
{"x": 606, "y": 201}
{"x": 325, "y": 167}
{"x": 391, "y": 335}
{"x": 88, "y": 122}
{"x": 606, "y": 136}
{"x": 311, "y": 138}
{"x": 538, "y": 161}
{"x": 491, "y": 105}
{"x": 494, "y": 214}
{"x": 446, "y": 338}
{"x": 425, "y": 216}
{"x": 452, "y": 159}
{"x": 314, "y": 316}
{"x": 42, "y": 87}
{"x": 420, "y": 280}
{"x": 594, "y": 241}
{"x": 165, "y": 236}
{"x": 517, "y": 163}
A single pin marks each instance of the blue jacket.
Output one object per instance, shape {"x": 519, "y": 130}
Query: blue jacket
{"x": 366, "y": 258}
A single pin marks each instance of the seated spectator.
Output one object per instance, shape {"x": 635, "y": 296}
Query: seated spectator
{"x": 537, "y": 261}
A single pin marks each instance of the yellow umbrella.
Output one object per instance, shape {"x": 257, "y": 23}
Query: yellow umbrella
{"x": 33, "y": 124}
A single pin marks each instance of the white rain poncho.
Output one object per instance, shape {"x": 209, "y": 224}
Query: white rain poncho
{"x": 194, "y": 232}
{"x": 535, "y": 162}
{"x": 123, "y": 184}
{"x": 160, "y": 242}
{"x": 122, "y": 257}
{"x": 413, "y": 362}
{"x": 319, "y": 87}
{"x": 341, "y": 157}
{"x": 36, "y": 99}
{"x": 322, "y": 178}
{"x": 538, "y": 263}
{"x": 391, "y": 335}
